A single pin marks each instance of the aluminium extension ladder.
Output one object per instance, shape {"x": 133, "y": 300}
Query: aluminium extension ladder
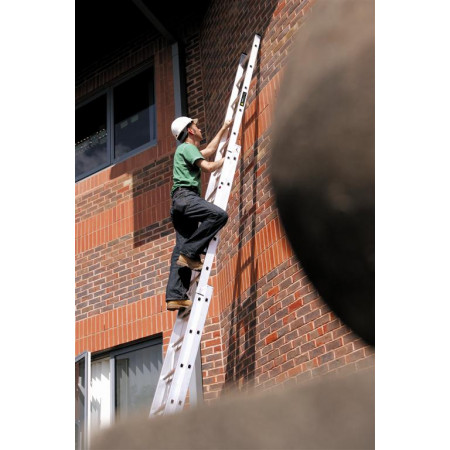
{"x": 184, "y": 344}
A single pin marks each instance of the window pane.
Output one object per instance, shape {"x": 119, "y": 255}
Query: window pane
{"x": 100, "y": 395}
{"x": 134, "y": 118}
{"x": 90, "y": 136}
{"x": 137, "y": 375}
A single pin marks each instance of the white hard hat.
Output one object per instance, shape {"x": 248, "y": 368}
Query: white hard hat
{"x": 179, "y": 125}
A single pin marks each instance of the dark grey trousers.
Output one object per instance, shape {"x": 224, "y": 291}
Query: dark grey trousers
{"x": 188, "y": 209}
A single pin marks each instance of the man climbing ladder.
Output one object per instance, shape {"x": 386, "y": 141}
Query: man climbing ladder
{"x": 188, "y": 208}
{"x": 193, "y": 305}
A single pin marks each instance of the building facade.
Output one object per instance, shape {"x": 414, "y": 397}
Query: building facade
{"x": 267, "y": 325}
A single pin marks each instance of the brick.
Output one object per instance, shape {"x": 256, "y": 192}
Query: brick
{"x": 336, "y": 363}
{"x": 327, "y": 357}
{"x": 317, "y": 351}
{"x": 334, "y": 345}
{"x": 297, "y": 304}
{"x": 271, "y": 338}
{"x": 355, "y": 356}
{"x": 348, "y": 348}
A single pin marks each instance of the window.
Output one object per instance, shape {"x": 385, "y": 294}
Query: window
{"x": 122, "y": 382}
{"x": 118, "y": 123}
{"x": 137, "y": 374}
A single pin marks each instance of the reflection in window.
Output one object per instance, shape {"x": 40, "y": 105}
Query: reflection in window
{"x": 100, "y": 394}
{"x": 91, "y": 137}
{"x": 134, "y": 113}
{"x": 137, "y": 375}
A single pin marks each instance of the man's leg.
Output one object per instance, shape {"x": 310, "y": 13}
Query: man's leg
{"x": 187, "y": 210}
{"x": 179, "y": 277}
{"x": 212, "y": 219}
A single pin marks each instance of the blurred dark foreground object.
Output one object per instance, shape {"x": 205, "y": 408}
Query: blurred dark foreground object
{"x": 323, "y": 162}
{"x": 328, "y": 413}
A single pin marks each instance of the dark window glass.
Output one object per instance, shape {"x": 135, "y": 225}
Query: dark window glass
{"x": 115, "y": 125}
{"x": 91, "y": 150}
{"x": 134, "y": 114}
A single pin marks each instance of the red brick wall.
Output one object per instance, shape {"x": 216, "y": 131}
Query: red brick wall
{"x": 123, "y": 233}
{"x": 266, "y": 325}
{"x": 273, "y": 326}
{"x": 194, "y": 79}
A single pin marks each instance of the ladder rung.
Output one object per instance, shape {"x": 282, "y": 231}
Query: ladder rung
{"x": 225, "y": 145}
{"x": 238, "y": 83}
{"x": 196, "y": 277}
{"x": 212, "y": 195}
{"x": 215, "y": 186}
{"x": 216, "y": 175}
{"x": 245, "y": 60}
{"x": 219, "y": 170}
{"x": 160, "y": 408}
{"x": 183, "y": 312}
{"x": 177, "y": 342}
{"x": 169, "y": 374}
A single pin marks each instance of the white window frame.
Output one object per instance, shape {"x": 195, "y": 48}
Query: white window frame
{"x": 97, "y": 393}
{"x": 85, "y": 441}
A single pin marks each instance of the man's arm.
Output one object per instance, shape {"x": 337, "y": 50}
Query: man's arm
{"x": 212, "y": 146}
{"x": 209, "y": 166}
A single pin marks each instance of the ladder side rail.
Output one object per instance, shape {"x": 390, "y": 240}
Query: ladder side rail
{"x": 228, "y": 116}
{"x": 171, "y": 394}
{"x": 202, "y": 290}
{"x": 238, "y": 112}
{"x": 221, "y": 200}
{"x": 233, "y": 97}
{"x": 177, "y": 393}
{"x": 181, "y": 379}
{"x": 170, "y": 360}
{"x": 163, "y": 387}
{"x": 186, "y": 361}
{"x": 226, "y": 180}
{"x": 240, "y": 107}
{"x": 207, "y": 264}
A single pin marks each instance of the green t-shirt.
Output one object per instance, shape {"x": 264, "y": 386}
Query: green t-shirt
{"x": 185, "y": 172}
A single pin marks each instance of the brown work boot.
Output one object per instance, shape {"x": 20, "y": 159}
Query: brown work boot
{"x": 193, "y": 264}
{"x": 173, "y": 305}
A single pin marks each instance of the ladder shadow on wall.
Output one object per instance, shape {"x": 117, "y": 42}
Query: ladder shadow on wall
{"x": 241, "y": 357}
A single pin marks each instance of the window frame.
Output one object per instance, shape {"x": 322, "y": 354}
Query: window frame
{"x": 108, "y": 91}
{"x": 85, "y": 441}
